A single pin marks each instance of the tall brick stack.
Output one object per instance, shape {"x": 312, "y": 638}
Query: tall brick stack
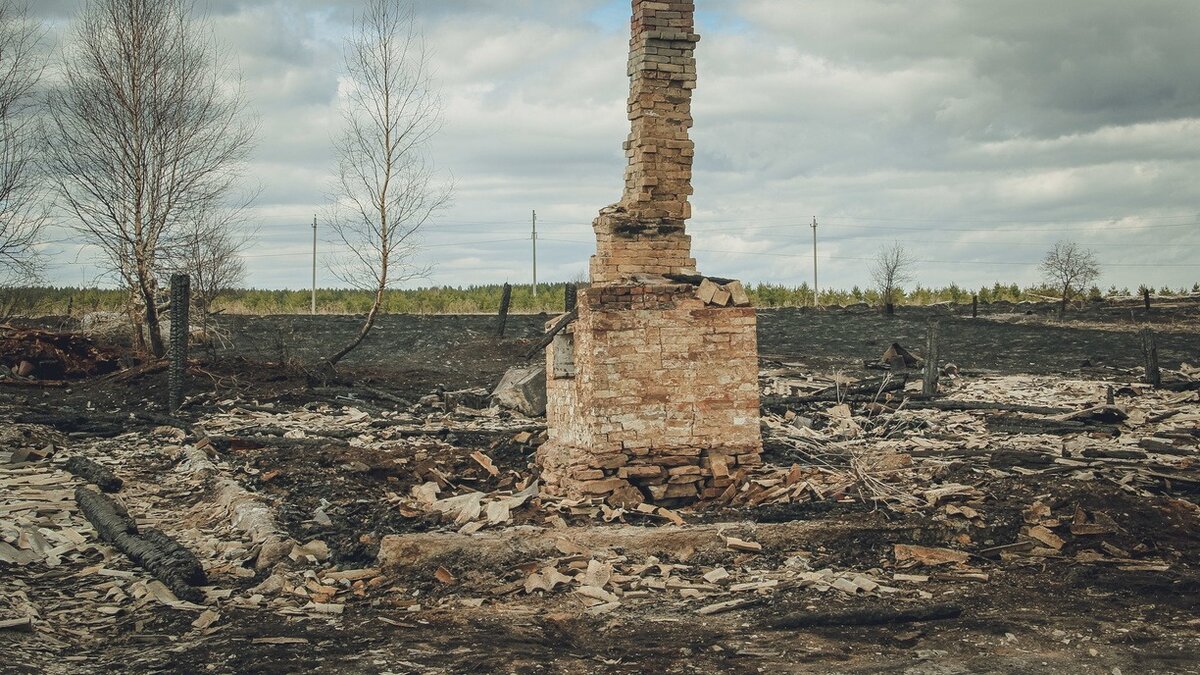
{"x": 652, "y": 392}
{"x": 644, "y": 232}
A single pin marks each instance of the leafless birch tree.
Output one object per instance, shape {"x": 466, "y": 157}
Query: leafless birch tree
{"x": 22, "y": 213}
{"x": 386, "y": 189}
{"x": 1070, "y": 269}
{"x": 891, "y": 269}
{"x": 144, "y": 136}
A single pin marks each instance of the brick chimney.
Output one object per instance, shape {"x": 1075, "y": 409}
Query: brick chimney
{"x": 652, "y": 392}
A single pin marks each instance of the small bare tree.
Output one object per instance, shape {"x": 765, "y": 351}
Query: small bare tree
{"x": 1069, "y": 268}
{"x": 144, "y": 135}
{"x": 386, "y": 190}
{"x": 22, "y": 214}
{"x": 208, "y": 249}
{"x": 891, "y": 268}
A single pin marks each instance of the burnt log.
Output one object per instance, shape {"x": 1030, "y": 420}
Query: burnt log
{"x": 1101, "y": 453}
{"x": 101, "y": 476}
{"x": 177, "y": 556}
{"x": 1029, "y": 459}
{"x": 168, "y": 560}
{"x": 108, "y": 517}
{"x": 945, "y": 404}
{"x": 867, "y": 616}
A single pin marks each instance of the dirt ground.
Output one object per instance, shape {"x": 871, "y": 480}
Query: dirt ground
{"x": 1073, "y": 541}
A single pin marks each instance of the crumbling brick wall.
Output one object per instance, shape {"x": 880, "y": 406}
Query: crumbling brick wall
{"x": 664, "y": 398}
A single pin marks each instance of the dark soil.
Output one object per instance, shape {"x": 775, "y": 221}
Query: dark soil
{"x": 350, "y": 485}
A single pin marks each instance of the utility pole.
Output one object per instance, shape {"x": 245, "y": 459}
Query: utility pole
{"x": 534, "y": 238}
{"x": 816, "y": 293}
{"x": 313, "y": 308}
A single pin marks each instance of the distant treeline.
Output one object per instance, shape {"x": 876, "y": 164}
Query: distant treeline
{"x": 486, "y": 298}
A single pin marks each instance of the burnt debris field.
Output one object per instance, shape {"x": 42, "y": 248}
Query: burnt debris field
{"x": 1038, "y": 513}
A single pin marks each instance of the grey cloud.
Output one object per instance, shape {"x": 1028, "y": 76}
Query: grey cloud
{"x": 973, "y": 131}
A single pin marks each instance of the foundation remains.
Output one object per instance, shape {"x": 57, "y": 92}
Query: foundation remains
{"x": 652, "y": 392}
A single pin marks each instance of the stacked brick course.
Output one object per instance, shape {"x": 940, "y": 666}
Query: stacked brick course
{"x": 644, "y": 233}
{"x": 652, "y": 392}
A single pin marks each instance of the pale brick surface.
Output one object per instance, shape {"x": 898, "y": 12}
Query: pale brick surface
{"x": 643, "y": 234}
{"x": 663, "y": 402}
{"x": 665, "y": 395}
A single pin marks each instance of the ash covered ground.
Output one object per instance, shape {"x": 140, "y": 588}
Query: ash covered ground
{"x": 366, "y": 523}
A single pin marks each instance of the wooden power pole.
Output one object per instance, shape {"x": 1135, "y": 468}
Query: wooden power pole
{"x": 313, "y": 304}
{"x": 816, "y": 292}
{"x": 533, "y": 237}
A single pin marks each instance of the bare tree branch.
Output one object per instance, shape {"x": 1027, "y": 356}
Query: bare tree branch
{"x": 144, "y": 137}
{"x": 208, "y": 249}
{"x": 22, "y": 210}
{"x": 1069, "y": 268}
{"x": 386, "y": 190}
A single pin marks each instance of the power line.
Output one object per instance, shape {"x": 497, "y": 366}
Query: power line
{"x": 922, "y": 260}
{"x": 931, "y": 220}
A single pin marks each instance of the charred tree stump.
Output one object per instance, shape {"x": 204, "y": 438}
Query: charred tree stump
{"x": 974, "y": 306}
{"x": 98, "y": 475}
{"x": 930, "y": 383}
{"x": 1146, "y": 298}
{"x": 505, "y": 300}
{"x": 168, "y": 560}
{"x": 177, "y": 373}
{"x": 1150, "y": 351}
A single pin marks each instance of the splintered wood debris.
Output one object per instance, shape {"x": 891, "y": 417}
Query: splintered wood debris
{"x": 938, "y": 464}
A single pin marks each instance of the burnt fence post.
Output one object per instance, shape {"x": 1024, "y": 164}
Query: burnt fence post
{"x": 929, "y": 386}
{"x": 570, "y": 296}
{"x": 1150, "y": 351}
{"x": 505, "y": 300}
{"x": 177, "y": 372}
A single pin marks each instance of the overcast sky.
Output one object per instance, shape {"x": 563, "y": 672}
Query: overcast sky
{"x": 976, "y": 133}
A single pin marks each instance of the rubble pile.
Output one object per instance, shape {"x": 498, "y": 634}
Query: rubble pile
{"x": 27, "y": 354}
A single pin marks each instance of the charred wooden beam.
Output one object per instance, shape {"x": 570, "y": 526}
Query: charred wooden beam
{"x": 945, "y": 404}
{"x": 930, "y": 380}
{"x": 695, "y": 279}
{"x": 555, "y": 330}
{"x": 868, "y": 616}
